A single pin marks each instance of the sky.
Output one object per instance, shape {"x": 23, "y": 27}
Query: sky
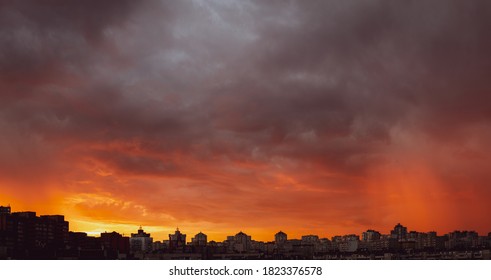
{"x": 311, "y": 117}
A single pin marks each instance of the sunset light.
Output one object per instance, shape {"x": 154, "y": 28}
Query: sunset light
{"x": 310, "y": 117}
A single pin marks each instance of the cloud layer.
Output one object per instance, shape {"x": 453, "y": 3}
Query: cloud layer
{"x": 327, "y": 117}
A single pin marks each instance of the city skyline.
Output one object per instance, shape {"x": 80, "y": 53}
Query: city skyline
{"x": 290, "y": 237}
{"x": 156, "y": 235}
{"x": 306, "y": 116}
{"x": 24, "y": 235}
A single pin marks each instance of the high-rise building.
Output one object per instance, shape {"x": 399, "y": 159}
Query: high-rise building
{"x": 5, "y": 210}
{"x": 53, "y": 230}
{"x": 242, "y": 242}
{"x": 371, "y": 235}
{"x": 6, "y": 238}
{"x": 280, "y": 238}
{"x": 4, "y": 213}
{"x": 23, "y": 235}
{"x": 199, "y": 239}
{"x": 177, "y": 241}
{"x": 141, "y": 241}
{"x": 399, "y": 232}
{"x": 115, "y": 245}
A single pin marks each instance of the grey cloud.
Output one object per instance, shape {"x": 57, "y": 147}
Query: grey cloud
{"x": 319, "y": 80}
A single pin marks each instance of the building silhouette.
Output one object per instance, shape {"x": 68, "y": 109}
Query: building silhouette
{"x": 115, "y": 245}
{"x": 242, "y": 242}
{"x": 199, "y": 239}
{"x": 24, "y": 235}
{"x": 177, "y": 241}
{"x": 370, "y": 235}
{"x": 280, "y": 237}
{"x": 399, "y": 232}
{"x": 141, "y": 241}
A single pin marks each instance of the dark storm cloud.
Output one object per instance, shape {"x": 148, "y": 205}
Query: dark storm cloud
{"x": 43, "y": 39}
{"x": 45, "y": 49}
{"x": 351, "y": 71}
{"x": 235, "y": 93}
{"x": 327, "y": 79}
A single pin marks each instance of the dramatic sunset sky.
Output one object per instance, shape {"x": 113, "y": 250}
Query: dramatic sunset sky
{"x": 311, "y": 117}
